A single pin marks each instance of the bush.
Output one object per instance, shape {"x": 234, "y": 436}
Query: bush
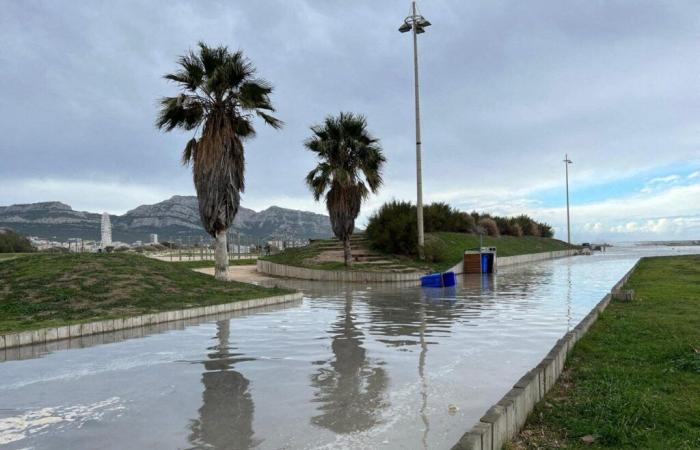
{"x": 11, "y": 242}
{"x": 490, "y": 227}
{"x": 394, "y": 229}
{"x": 436, "y": 250}
{"x": 546, "y": 230}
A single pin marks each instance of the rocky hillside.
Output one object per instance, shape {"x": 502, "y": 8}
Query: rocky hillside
{"x": 176, "y": 217}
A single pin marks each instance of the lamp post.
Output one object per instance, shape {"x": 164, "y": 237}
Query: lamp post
{"x": 567, "y": 161}
{"x": 417, "y": 24}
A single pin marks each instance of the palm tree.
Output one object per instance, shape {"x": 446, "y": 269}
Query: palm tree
{"x": 219, "y": 95}
{"x": 350, "y": 165}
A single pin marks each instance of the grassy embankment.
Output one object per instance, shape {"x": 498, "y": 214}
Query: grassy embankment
{"x": 634, "y": 380}
{"x": 455, "y": 244}
{"x": 44, "y": 290}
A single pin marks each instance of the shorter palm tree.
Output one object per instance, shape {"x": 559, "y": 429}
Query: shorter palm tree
{"x": 349, "y": 168}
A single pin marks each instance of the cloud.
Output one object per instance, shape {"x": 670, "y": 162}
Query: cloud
{"x": 694, "y": 175}
{"x": 505, "y": 92}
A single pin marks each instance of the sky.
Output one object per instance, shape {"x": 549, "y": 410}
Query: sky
{"x": 507, "y": 89}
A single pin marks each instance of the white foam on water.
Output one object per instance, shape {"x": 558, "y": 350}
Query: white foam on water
{"x": 39, "y": 421}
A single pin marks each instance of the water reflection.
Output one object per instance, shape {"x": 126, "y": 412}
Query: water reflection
{"x": 349, "y": 387}
{"x": 226, "y": 416}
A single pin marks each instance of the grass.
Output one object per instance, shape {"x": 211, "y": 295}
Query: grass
{"x": 8, "y": 256}
{"x": 210, "y": 263}
{"x": 634, "y": 380}
{"x": 456, "y": 243}
{"x": 45, "y": 290}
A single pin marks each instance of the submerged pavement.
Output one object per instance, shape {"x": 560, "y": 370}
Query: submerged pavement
{"x": 351, "y": 366}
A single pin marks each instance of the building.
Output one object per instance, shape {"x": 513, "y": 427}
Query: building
{"x": 106, "y": 238}
{"x": 154, "y": 238}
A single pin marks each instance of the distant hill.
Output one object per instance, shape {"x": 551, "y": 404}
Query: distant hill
{"x": 177, "y": 217}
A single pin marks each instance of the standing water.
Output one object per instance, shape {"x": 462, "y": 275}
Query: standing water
{"x": 351, "y": 366}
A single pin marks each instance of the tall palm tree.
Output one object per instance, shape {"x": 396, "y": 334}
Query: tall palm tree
{"x": 349, "y": 167}
{"x": 219, "y": 95}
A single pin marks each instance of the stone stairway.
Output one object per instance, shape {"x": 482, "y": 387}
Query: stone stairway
{"x": 332, "y": 249}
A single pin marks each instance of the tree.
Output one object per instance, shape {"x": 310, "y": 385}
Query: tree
{"x": 349, "y": 168}
{"x": 219, "y": 95}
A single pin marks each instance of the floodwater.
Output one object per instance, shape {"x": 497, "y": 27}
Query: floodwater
{"x": 350, "y": 366}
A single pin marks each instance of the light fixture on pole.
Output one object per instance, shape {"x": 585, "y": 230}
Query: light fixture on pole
{"x": 417, "y": 23}
{"x": 567, "y": 161}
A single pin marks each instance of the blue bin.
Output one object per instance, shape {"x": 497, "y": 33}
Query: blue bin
{"x": 448, "y": 279}
{"x": 438, "y": 280}
{"x": 431, "y": 280}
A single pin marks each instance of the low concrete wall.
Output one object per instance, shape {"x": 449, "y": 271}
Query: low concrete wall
{"x": 45, "y": 335}
{"x": 503, "y": 420}
{"x": 281, "y": 270}
{"x": 505, "y": 261}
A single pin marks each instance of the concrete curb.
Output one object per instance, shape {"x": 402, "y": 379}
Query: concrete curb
{"x": 285, "y": 271}
{"x": 503, "y": 421}
{"x": 44, "y": 335}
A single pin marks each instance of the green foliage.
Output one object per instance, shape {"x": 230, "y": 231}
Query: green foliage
{"x": 11, "y": 242}
{"x": 219, "y": 96}
{"x": 442, "y": 217}
{"x": 393, "y": 228}
{"x": 634, "y": 380}
{"x": 436, "y": 250}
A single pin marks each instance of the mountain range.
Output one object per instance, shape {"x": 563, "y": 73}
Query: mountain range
{"x": 175, "y": 218}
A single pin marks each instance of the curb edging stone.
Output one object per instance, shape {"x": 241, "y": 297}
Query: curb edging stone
{"x": 46, "y": 335}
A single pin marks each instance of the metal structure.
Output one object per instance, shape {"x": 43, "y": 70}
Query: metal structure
{"x": 417, "y": 23}
{"x": 106, "y": 235}
{"x": 567, "y": 161}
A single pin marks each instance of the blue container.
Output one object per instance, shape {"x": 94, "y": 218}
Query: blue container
{"x": 448, "y": 279}
{"x": 438, "y": 280}
{"x": 431, "y": 280}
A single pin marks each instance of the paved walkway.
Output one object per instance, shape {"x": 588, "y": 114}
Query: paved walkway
{"x": 245, "y": 274}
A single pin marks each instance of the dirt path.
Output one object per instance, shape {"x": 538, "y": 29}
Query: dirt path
{"x": 245, "y": 274}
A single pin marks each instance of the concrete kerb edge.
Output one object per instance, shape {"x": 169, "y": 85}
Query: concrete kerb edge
{"x": 503, "y": 421}
{"x": 44, "y": 335}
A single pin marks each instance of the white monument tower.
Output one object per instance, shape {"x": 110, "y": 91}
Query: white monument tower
{"x": 106, "y": 231}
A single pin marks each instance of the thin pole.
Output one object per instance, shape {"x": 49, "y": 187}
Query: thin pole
{"x": 419, "y": 169}
{"x": 568, "y": 220}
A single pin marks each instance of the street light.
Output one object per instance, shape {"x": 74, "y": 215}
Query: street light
{"x": 567, "y": 161}
{"x": 417, "y": 24}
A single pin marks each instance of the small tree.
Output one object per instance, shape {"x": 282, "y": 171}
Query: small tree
{"x": 349, "y": 168}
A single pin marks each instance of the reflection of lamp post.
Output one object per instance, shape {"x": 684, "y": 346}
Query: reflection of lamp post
{"x": 417, "y": 24}
{"x": 567, "y": 161}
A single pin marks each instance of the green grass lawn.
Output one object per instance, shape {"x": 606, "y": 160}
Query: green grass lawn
{"x": 8, "y": 256}
{"x": 633, "y": 381}
{"x": 42, "y": 290}
{"x": 456, "y": 243}
{"x": 210, "y": 263}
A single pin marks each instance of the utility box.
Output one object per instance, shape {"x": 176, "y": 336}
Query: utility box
{"x": 481, "y": 260}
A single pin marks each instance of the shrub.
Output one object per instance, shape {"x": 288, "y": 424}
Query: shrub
{"x": 11, "y": 242}
{"x": 489, "y": 225}
{"x": 394, "y": 229}
{"x": 546, "y": 230}
{"x": 436, "y": 250}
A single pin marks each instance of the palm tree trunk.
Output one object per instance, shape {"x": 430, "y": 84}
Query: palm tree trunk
{"x": 221, "y": 257}
{"x": 348, "y": 253}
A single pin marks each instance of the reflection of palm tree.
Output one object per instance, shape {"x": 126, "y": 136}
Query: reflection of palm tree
{"x": 226, "y": 416}
{"x": 351, "y": 390}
